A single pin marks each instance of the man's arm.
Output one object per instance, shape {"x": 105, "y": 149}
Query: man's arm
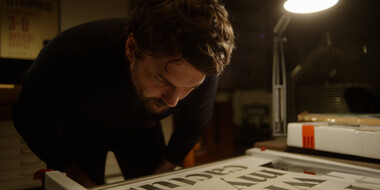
{"x": 77, "y": 174}
{"x": 192, "y": 119}
{"x": 39, "y": 113}
{"x": 165, "y": 166}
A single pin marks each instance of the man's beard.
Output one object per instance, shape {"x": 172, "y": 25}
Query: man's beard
{"x": 152, "y": 105}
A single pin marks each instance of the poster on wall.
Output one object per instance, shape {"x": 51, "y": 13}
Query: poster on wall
{"x": 25, "y": 26}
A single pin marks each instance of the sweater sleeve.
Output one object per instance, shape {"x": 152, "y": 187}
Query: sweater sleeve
{"x": 192, "y": 118}
{"x": 61, "y": 86}
{"x": 39, "y": 113}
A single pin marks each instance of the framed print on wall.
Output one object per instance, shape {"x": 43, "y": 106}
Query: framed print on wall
{"x": 25, "y": 26}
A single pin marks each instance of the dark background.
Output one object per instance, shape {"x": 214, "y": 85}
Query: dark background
{"x": 350, "y": 25}
{"x": 338, "y": 50}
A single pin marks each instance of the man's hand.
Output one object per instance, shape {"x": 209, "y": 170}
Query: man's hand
{"x": 165, "y": 166}
{"x": 77, "y": 174}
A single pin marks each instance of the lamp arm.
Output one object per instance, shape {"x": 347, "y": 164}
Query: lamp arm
{"x": 279, "y": 79}
{"x": 281, "y": 25}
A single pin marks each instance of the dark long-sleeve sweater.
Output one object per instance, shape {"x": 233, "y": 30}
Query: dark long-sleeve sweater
{"x": 81, "y": 80}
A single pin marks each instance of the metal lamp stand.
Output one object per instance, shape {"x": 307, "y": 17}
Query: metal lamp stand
{"x": 279, "y": 79}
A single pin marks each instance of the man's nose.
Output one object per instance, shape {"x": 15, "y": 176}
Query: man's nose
{"x": 171, "y": 97}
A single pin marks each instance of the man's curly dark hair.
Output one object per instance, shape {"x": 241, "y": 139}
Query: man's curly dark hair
{"x": 199, "y": 29}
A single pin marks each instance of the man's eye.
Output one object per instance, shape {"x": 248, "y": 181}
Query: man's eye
{"x": 160, "y": 80}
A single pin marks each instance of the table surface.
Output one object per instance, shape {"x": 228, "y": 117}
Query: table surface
{"x": 279, "y": 144}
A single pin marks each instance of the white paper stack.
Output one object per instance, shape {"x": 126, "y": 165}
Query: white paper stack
{"x": 358, "y": 140}
{"x": 341, "y": 118}
{"x": 17, "y": 162}
{"x": 258, "y": 169}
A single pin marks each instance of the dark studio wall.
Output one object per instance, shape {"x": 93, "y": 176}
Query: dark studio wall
{"x": 337, "y": 49}
{"x": 344, "y": 38}
{"x": 251, "y": 64}
{"x": 349, "y": 28}
{"x": 339, "y": 54}
{"x": 11, "y": 70}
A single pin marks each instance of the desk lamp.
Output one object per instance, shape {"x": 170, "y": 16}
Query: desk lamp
{"x": 279, "y": 74}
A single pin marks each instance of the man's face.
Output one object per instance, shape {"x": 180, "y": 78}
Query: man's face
{"x": 160, "y": 82}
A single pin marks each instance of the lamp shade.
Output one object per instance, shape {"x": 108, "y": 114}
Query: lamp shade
{"x": 308, "y": 6}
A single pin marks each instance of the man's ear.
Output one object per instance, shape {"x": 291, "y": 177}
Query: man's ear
{"x": 130, "y": 48}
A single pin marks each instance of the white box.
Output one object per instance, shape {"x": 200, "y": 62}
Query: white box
{"x": 345, "y": 139}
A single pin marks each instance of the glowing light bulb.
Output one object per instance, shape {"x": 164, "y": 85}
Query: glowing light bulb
{"x": 308, "y": 6}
